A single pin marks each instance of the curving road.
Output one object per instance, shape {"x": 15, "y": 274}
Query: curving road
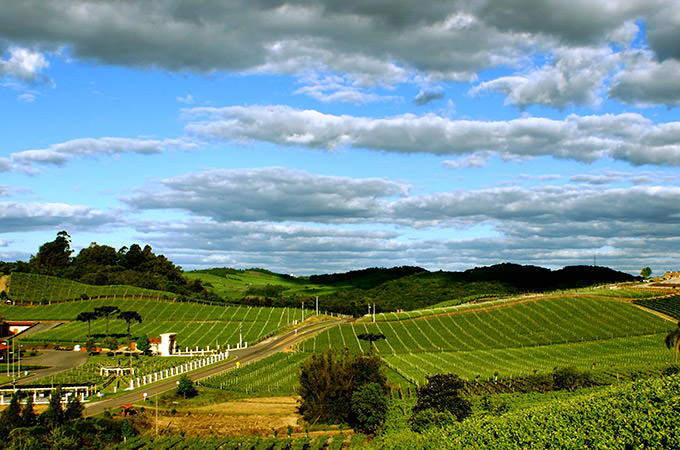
{"x": 246, "y": 355}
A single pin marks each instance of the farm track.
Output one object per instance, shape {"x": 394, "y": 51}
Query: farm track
{"x": 243, "y": 356}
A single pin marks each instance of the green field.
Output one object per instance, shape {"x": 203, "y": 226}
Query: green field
{"x": 274, "y": 375}
{"x": 43, "y": 289}
{"x": 195, "y": 324}
{"x": 234, "y": 284}
{"x": 517, "y": 339}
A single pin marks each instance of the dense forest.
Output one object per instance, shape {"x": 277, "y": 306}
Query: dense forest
{"x": 104, "y": 265}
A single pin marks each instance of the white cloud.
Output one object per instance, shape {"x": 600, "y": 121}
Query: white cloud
{"x": 574, "y": 76}
{"x": 21, "y": 217}
{"x": 61, "y": 153}
{"x": 646, "y": 82}
{"x": 187, "y": 99}
{"x": 24, "y": 64}
{"x": 628, "y": 137}
{"x": 474, "y": 160}
{"x": 270, "y": 194}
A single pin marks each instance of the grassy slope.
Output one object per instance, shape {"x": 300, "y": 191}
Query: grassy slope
{"x": 548, "y": 331}
{"x": 195, "y": 324}
{"x": 233, "y": 284}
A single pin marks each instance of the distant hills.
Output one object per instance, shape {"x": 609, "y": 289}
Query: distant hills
{"x": 389, "y": 289}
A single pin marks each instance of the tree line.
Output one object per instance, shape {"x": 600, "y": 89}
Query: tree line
{"x": 104, "y": 265}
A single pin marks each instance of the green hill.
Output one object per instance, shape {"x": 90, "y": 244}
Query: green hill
{"x": 513, "y": 338}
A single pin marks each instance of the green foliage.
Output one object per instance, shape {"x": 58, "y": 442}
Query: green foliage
{"x": 102, "y": 265}
{"x": 143, "y": 344}
{"x": 627, "y": 416}
{"x": 646, "y": 272}
{"x": 328, "y": 381}
{"x": 185, "y": 387}
{"x": 369, "y": 407}
{"x": 440, "y": 394}
{"x": 570, "y": 378}
{"x": 53, "y": 416}
{"x": 275, "y": 374}
{"x": 10, "y": 417}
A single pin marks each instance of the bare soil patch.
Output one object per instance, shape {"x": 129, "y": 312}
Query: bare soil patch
{"x": 4, "y": 282}
{"x": 260, "y": 416}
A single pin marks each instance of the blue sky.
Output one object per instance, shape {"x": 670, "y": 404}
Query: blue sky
{"x": 310, "y": 137}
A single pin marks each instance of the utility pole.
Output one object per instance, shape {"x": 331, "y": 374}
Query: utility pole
{"x": 240, "y": 336}
{"x": 303, "y": 311}
{"x": 373, "y": 312}
{"x": 317, "y": 305}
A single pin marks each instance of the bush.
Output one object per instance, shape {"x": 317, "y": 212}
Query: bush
{"x": 441, "y": 394}
{"x": 186, "y": 387}
{"x": 570, "y": 378}
{"x": 369, "y": 407}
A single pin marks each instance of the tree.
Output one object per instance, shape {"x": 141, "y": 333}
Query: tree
{"x": 185, "y": 387}
{"x": 441, "y": 395}
{"x": 371, "y": 338}
{"x": 53, "y": 257}
{"x": 143, "y": 344}
{"x": 87, "y": 316}
{"x": 10, "y": 418}
{"x": 328, "y": 380}
{"x": 53, "y": 416}
{"x": 28, "y": 417}
{"x": 129, "y": 317}
{"x": 106, "y": 312}
{"x": 74, "y": 410}
{"x": 673, "y": 341}
{"x": 369, "y": 407}
{"x": 646, "y": 272}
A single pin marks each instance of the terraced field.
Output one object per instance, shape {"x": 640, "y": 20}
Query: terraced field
{"x": 195, "y": 324}
{"x": 513, "y": 338}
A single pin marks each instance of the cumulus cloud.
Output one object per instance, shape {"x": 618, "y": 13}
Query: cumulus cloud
{"x": 574, "y": 76}
{"x": 21, "y": 217}
{"x": 274, "y": 194}
{"x": 647, "y": 82}
{"x": 628, "y": 137}
{"x": 25, "y": 65}
{"x": 61, "y": 153}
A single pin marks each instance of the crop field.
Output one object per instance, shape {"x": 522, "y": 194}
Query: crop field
{"x": 513, "y": 340}
{"x": 609, "y": 358}
{"x": 32, "y": 288}
{"x": 276, "y": 374}
{"x": 667, "y": 305}
{"x": 195, "y": 324}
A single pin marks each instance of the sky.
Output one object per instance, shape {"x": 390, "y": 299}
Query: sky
{"x": 325, "y": 136}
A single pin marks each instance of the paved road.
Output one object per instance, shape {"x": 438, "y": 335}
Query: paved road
{"x": 250, "y": 354}
{"x": 56, "y": 360}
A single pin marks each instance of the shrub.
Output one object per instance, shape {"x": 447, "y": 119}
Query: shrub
{"x": 186, "y": 387}
{"x": 441, "y": 394}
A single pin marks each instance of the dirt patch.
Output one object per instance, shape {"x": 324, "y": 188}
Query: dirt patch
{"x": 261, "y": 416}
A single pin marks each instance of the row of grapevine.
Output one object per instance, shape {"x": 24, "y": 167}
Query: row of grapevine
{"x": 334, "y": 442}
{"x": 666, "y": 305}
{"x": 275, "y": 374}
{"x": 195, "y": 324}
{"x": 33, "y": 288}
{"x": 612, "y": 355}
{"x": 530, "y": 324}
